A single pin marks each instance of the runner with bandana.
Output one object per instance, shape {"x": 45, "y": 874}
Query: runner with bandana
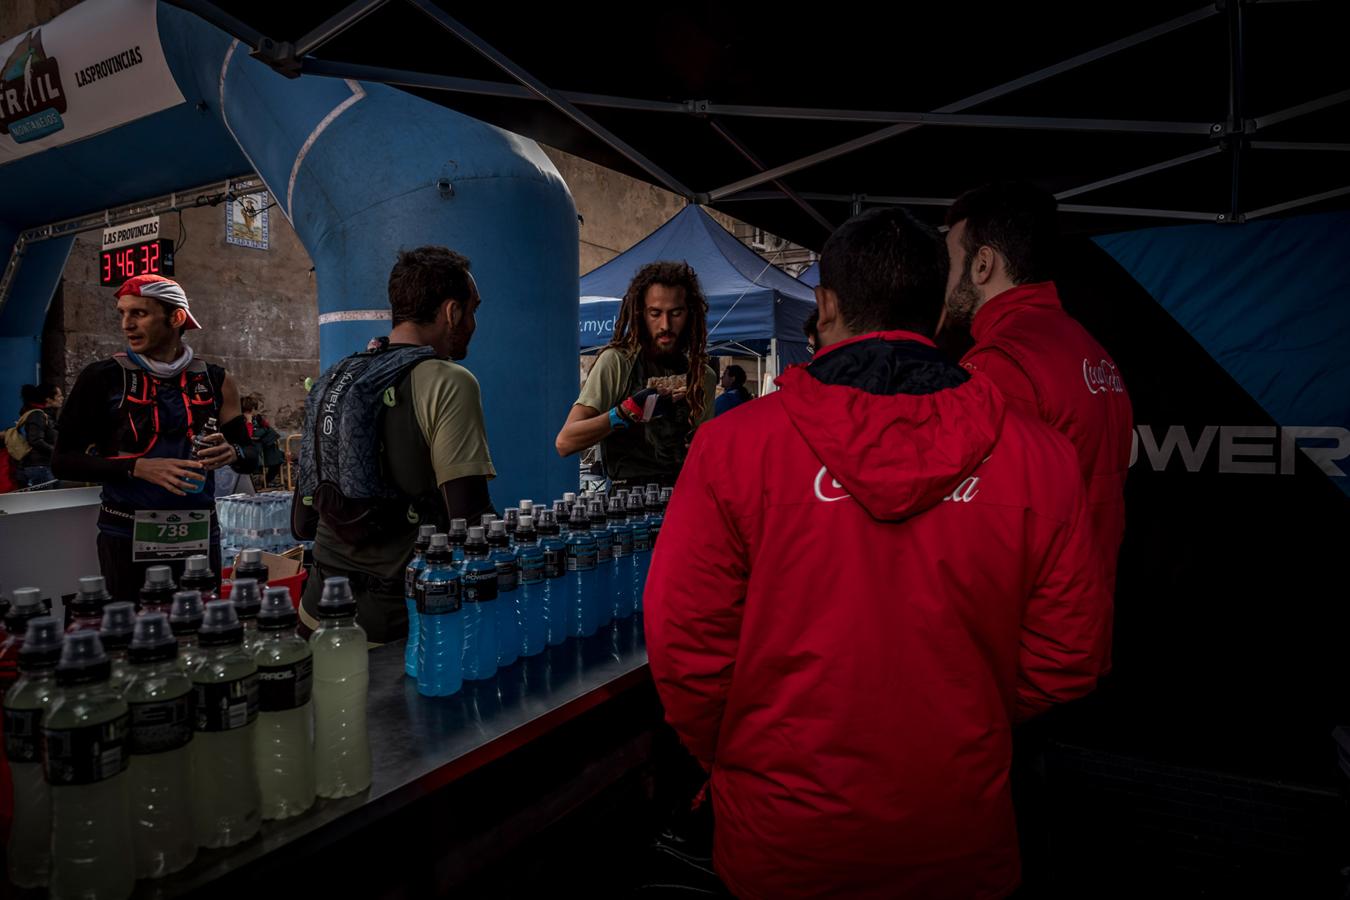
{"x": 130, "y": 424}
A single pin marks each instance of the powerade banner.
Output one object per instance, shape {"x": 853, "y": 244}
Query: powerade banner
{"x": 1233, "y": 608}
{"x": 91, "y": 69}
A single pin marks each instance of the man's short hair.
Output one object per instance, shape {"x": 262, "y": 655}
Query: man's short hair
{"x": 1015, "y": 218}
{"x": 737, "y": 374}
{"x": 425, "y": 278}
{"x": 889, "y": 271}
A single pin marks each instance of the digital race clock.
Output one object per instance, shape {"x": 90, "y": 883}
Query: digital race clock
{"x": 152, "y": 257}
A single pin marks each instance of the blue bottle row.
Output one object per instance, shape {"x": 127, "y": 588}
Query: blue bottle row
{"x": 481, "y": 597}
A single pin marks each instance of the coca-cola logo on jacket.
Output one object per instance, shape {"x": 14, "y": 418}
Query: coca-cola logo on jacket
{"x": 1102, "y": 377}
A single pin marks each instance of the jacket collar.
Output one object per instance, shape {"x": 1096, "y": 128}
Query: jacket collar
{"x": 1039, "y": 294}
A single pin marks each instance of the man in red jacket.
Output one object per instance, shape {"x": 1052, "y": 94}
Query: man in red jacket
{"x": 862, "y": 581}
{"x": 1001, "y": 241}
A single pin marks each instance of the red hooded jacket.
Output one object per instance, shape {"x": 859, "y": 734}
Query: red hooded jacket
{"x": 862, "y": 581}
{"x": 1046, "y": 364}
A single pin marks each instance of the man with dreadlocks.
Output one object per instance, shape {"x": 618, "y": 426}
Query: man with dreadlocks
{"x": 644, "y": 429}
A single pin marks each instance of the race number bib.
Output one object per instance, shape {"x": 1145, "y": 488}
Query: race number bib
{"x": 165, "y": 534}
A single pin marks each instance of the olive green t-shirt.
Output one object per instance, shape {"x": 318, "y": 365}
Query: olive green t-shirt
{"x": 607, "y": 384}
{"x": 433, "y": 433}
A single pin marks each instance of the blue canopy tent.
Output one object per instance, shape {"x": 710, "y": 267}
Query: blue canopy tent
{"x": 810, "y": 275}
{"x": 754, "y": 308}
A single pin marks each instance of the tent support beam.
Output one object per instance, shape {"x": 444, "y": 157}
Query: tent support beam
{"x": 1138, "y": 173}
{"x": 1302, "y": 109}
{"x": 339, "y": 23}
{"x": 1236, "y": 101}
{"x": 964, "y": 120}
{"x": 755, "y": 161}
{"x": 1182, "y": 214}
{"x": 551, "y": 97}
{"x": 1300, "y": 145}
{"x": 1301, "y": 201}
{"x": 973, "y": 100}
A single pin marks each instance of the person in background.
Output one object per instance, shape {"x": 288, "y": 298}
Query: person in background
{"x": 734, "y": 392}
{"x": 661, "y": 332}
{"x": 37, "y": 425}
{"x": 261, "y": 432}
{"x": 863, "y": 580}
{"x": 809, "y": 329}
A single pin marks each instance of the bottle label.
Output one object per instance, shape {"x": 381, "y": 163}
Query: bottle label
{"x": 604, "y": 548}
{"x": 581, "y": 559}
{"x": 226, "y": 705}
{"x": 286, "y": 686}
{"x": 507, "y": 575}
{"x": 410, "y": 582}
{"x": 623, "y": 543}
{"x": 86, "y": 755}
{"x": 555, "y": 562}
{"x": 532, "y": 568}
{"x": 438, "y": 598}
{"x": 480, "y": 585}
{"x": 161, "y": 726}
{"x": 642, "y": 540}
{"x": 23, "y": 736}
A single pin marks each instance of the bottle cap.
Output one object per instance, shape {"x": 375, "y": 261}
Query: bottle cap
{"x": 41, "y": 643}
{"x": 185, "y": 616}
{"x": 153, "y": 640}
{"x": 119, "y": 621}
{"x": 250, "y": 557}
{"x": 82, "y": 659}
{"x": 245, "y": 597}
{"x": 197, "y": 565}
{"x": 158, "y": 578}
{"x": 337, "y": 600}
{"x": 220, "y": 625}
{"x": 277, "y": 612}
{"x": 526, "y": 524}
{"x": 27, "y": 605}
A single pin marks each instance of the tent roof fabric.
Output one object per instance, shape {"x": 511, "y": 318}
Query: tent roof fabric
{"x": 749, "y": 298}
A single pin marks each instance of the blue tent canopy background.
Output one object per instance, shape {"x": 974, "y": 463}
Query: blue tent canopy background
{"x": 754, "y": 307}
{"x": 810, "y": 275}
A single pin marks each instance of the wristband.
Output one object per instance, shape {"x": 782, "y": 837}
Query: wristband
{"x": 238, "y": 454}
{"x": 616, "y": 421}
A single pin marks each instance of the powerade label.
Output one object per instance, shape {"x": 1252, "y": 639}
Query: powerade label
{"x": 86, "y": 755}
{"x": 531, "y": 567}
{"x": 555, "y": 562}
{"x": 507, "y": 575}
{"x": 581, "y": 557}
{"x": 23, "y": 737}
{"x": 286, "y": 686}
{"x": 161, "y": 726}
{"x": 623, "y": 543}
{"x": 480, "y": 585}
{"x": 604, "y": 548}
{"x": 410, "y": 580}
{"x": 226, "y": 705}
{"x": 438, "y": 598}
{"x": 642, "y": 539}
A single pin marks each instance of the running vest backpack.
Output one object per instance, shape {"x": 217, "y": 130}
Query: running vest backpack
{"x": 342, "y": 470}
{"x": 16, "y": 442}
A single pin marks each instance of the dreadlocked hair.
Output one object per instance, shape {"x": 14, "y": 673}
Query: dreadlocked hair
{"x": 630, "y": 333}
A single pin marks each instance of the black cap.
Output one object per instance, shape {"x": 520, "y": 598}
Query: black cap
{"x": 185, "y": 617}
{"x": 153, "y": 640}
{"x": 83, "y": 660}
{"x": 119, "y": 621}
{"x": 245, "y": 597}
{"x": 277, "y": 612}
{"x": 220, "y": 625}
{"x": 41, "y": 643}
{"x": 336, "y": 601}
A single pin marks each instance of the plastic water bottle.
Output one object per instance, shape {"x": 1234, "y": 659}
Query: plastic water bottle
{"x": 440, "y": 647}
{"x": 250, "y": 565}
{"x": 283, "y": 740}
{"x": 247, "y": 600}
{"x": 621, "y": 533}
{"x": 410, "y": 576}
{"x": 458, "y": 534}
{"x": 509, "y": 627}
{"x": 569, "y": 500}
{"x": 581, "y": 565}
{"x": 26, "y": 702}
{"x": 197, "y": 576}
{"x": 604, "y": 563}
{"x": 642, "y": 545}
{"x": 185, "y": 620}
{"x": 85, "y": 611}
{"x": 530, "y": 559}
{"x": 557, "y": 599}
{"x": 479, "y": 578}
{"x": 159, "y": 696}
{"x": 226, "y": 805}
{"x": 341, "y": 681}
{"x": 158, "y": 590}
{"x": 119, "y": 621}
{"x": 27, "y": 605}
{"x": 526, "y": 508}
{"x": 562, "y": 513}
{"x": 85, "y": 735}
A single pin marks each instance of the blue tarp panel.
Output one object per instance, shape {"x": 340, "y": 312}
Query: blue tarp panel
{"x": 1267, "y": 300}
{"x": 810, "y": 275}
{"x": 748, "y": 298}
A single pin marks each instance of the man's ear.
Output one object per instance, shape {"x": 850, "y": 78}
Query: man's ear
{"x": 827, "y": 306}
{"x": 982, "y": 265}
{"x": 178, "y": 318}
{"x": 454, "y": 312}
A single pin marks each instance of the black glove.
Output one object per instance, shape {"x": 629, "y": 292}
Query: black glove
{"x": 645, "y": 405}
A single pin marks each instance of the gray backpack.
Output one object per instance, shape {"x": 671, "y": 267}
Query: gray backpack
{"x": 342, "y": 468}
